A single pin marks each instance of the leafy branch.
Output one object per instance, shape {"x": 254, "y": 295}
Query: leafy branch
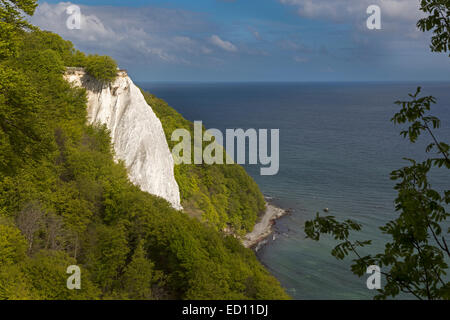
{"x": 415, "y": 259}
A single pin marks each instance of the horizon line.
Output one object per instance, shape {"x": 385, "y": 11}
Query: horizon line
{"x": 292, "y": 81}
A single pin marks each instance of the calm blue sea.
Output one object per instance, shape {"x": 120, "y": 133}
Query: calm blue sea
{"x": 337, "y": 148}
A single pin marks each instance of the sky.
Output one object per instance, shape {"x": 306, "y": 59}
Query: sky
{"x": 252, "y": 40}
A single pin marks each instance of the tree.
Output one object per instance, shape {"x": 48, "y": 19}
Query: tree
{"x": 21, "y": 132}
{"x": 138, "y": 276}
{"x": 110, "y": 259}
{"x": 12, "y": 23}
{"x": 12, "y": 245}
{"x": 47, "y": 276}
{"x": 30, "y": 221}
{"x": 415, "y": 260}
{"x": 14, "y": 284}
{"x": 438, "y": 21}
{"x": 102, "y": 68}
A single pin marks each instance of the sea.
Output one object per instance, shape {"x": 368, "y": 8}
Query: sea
{"x": 337, "y": 149}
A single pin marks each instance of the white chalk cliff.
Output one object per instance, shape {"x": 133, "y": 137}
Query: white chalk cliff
{"x": 136, "y": 132}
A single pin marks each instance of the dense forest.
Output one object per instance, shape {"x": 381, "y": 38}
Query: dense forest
{"x": 65, "y": 201}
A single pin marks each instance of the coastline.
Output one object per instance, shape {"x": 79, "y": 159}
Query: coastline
{"x": 264, "y": 227}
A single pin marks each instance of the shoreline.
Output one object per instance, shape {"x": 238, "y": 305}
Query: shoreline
{"x": 264, "y": 227}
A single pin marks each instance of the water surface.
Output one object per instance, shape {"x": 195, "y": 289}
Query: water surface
{"x": 337, "y": 148}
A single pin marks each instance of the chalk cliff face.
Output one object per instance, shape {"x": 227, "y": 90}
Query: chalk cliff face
{"x": 136, "y": 132}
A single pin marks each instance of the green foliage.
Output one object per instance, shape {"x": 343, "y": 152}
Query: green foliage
{"x": 43, "y": 45}
{"x": 415, "y": 261}
{"x": 43, "y": 277}
{"x": 110, "y": 258}
{"x": 12, "y": 245}
{"x": 102, "y": 68}
{"x": 39, "y": 41}
{"x": 20, "y": 127}
{"x": 339, "y": 230}
{"x": 65, "y": 201}
{"x": 139, "y": 275}
{"x": 223, "y": 195}
{"x": 438, "y": 20}
{"x": 47, "y": 276}
{"x": 12, "y": 23}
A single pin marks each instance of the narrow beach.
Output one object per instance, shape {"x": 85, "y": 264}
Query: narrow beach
{"x": 263, "y": 228}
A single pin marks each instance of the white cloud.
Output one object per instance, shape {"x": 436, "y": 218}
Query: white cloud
{"x": 225, "y": 45}
{"x": 53, "y": 18}
{"x": 398, "y": 26}
{"x": 132, "y": 35}
{"x": 400, "y": 10}
{"x": 170, "y": 41}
